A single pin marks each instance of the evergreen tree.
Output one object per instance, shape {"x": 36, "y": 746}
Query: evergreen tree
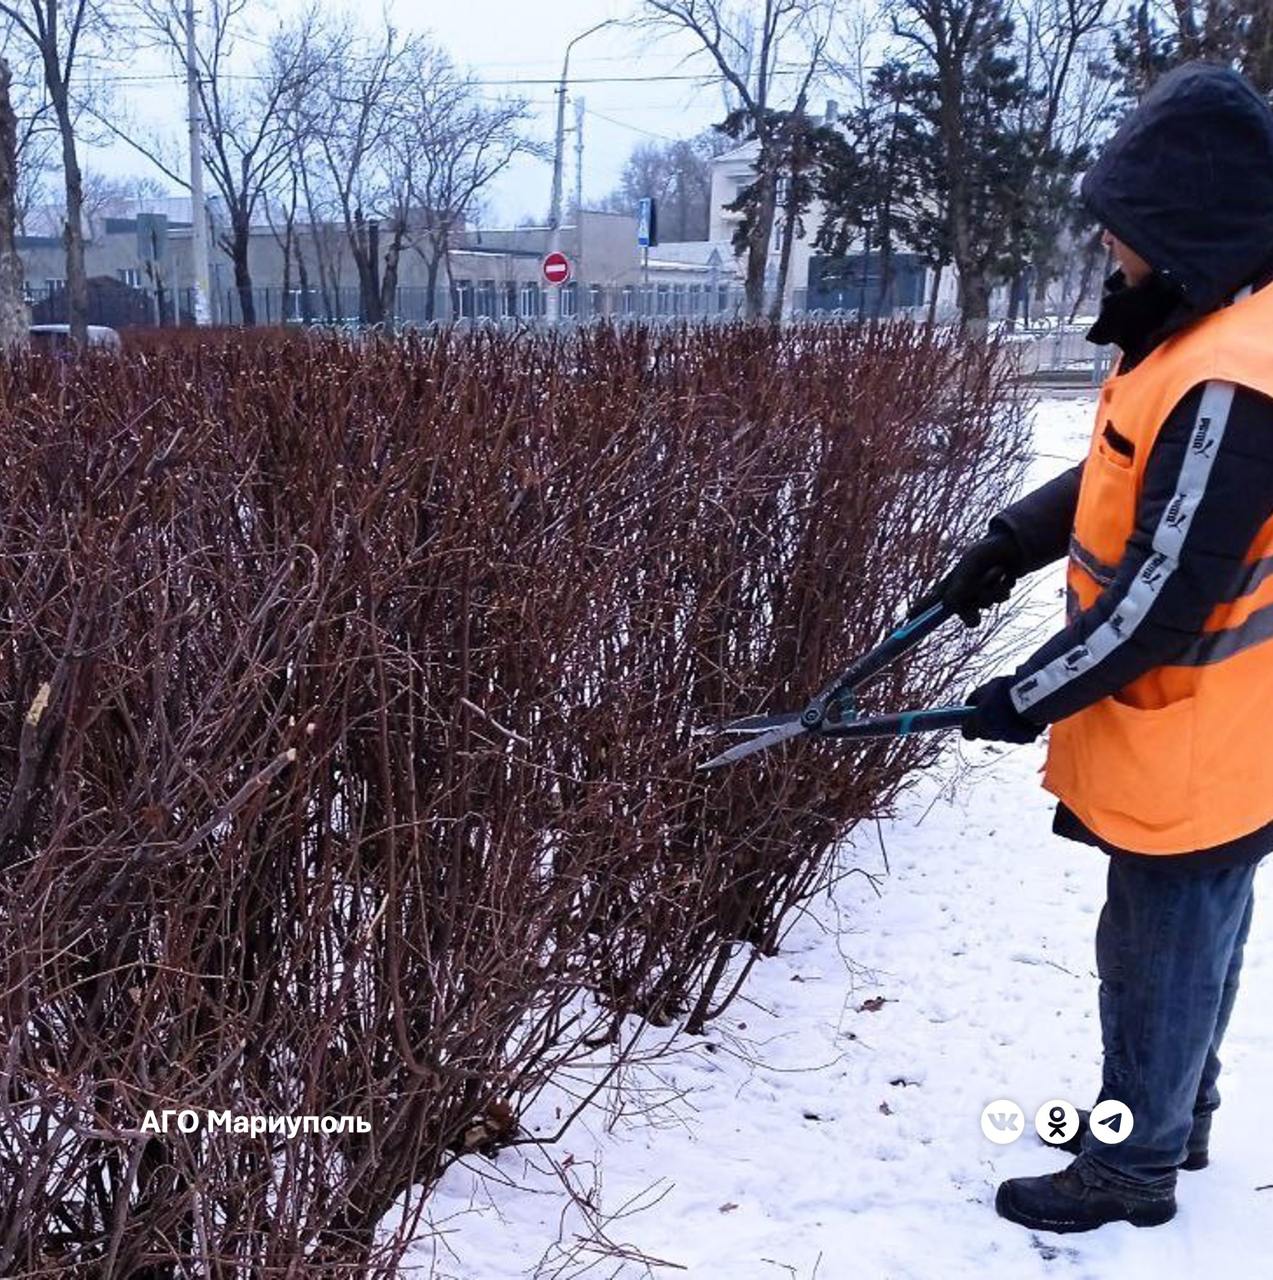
{"x": 945, "y": 150}
{"x": 958, "y": 155}
{"x": 804, "y": 153}
{"x": 885, "y": 190}
{"x": 1155, "y": 36}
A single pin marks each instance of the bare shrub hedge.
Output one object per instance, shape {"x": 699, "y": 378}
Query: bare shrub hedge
{"x": 345, "y": 768}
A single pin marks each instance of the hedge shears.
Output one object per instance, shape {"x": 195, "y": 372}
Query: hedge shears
{"x": 833, "y": 712}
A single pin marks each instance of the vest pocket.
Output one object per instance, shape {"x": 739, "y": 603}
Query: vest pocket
{"x": 1116, "y": 446}
{"x": 1106, "y": 512}
{"x": 1135, "y": 772}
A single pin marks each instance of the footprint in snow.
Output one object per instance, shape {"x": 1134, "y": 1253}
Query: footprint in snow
{"x": 1051, "y": 1252}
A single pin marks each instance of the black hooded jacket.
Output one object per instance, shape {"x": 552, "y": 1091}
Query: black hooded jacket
{"x": 1187, "y": 182}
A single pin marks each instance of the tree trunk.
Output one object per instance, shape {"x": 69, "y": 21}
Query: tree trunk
{"x": 389, "y": 284}
{"x": 1014, "y": 301}
{"x": 1090, "y": 256}
{"x": 328, "y": 279}
{"x": 320, "y": 249}
{"x": 883, "y": 301}
{"x": 240, "y": 238}
{"x": 287, "y": 266}
{"x": 365, "y": 243}
{"x": 431, "y": 268}
{"x": 758, "y": 237}
{"x": 73, "y": 232}
{"x": 1042, "y": 280}
{"x": 13, "y": 312}
{"x": 866, "y": 270}
{"x": 974, "y": 301}
{"x": 302, "y": 277}
{"x": 789, "y": 216}
{"x": 376, "y": 314}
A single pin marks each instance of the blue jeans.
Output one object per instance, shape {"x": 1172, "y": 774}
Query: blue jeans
{"x": 1168, "y": 952}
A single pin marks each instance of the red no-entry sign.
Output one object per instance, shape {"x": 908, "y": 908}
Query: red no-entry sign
{"x": 556, "y": 268}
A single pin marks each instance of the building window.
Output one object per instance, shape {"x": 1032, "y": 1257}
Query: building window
{"x": 569, "y": 301}
{"x": 596, "y": 300}
{"x": 54, "y": 283}
{"x": 663, "y": 300}
{"x": 627, "y": 301}
{"x": 486, "y": 299}
{"x": 131, "y": 276}
{"x": 529, "y": 300}
{"x": 462, "y": 305}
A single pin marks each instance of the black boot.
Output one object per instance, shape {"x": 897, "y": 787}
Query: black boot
{"x": 1197, "y": 1156}
{"x": 1073, "y": 1200}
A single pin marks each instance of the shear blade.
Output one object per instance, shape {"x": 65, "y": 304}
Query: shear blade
{"x": 762, "y": 743}
{"x": 761, "y": 724}
{"x": 748, "y": 724}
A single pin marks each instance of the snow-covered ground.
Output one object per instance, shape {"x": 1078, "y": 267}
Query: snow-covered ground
{"x": 828, "y": 1128}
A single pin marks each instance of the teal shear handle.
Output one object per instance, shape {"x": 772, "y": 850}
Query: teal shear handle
{"x": 900, "y": 724}
{"x": 896, "y": 643}
{"x": 825, "y": 716}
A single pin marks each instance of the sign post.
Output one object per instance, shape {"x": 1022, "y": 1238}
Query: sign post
{"x": 647, "y": 234}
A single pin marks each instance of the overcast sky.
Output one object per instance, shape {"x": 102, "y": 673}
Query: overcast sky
{"x": 502, "y": 41}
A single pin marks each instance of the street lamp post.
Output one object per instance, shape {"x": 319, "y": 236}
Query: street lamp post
{"x": 553, "y": 307}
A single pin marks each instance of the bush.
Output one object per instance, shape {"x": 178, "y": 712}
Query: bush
{"x": 346, "y": 764}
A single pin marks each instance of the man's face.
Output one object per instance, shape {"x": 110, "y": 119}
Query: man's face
{"x": 1134, "y": 268}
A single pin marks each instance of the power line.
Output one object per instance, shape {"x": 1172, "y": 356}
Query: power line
{"x": 661, "y": 137}
{"x": 157, "y": 77}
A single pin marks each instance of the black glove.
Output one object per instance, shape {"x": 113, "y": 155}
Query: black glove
{"x": 985, "y": 575}
{"x": 996, "y": 718}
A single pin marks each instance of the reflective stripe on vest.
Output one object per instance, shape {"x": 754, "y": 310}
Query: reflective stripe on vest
{"x": 1177, "y": 760}
{"x": 1103, "y": 574}
{"x": 1169, "y": 537}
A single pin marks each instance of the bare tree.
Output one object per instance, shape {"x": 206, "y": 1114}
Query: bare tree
{"x": 460, "y": 145}
{"x": 37, "y": 144}
{"x": 13, "y": 317}
{"x": 62, "y": 33}
{"x": 357, "y": 105}
{"x": 303, "y": 200}
{"x": 746, "y": 46}
{"x": 1059, "y": 44}
{"x": 679, "y": 175}
{"x": 36, "y": 151}
{"x": 105, "y": 196}
{"x": 245, "y": 133}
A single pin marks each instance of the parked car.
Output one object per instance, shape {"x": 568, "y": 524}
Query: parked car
{"x": 57, "y": 337}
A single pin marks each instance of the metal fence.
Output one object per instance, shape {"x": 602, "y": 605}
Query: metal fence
{"x": 1059, "y": 355}
{"x": 507, "y": 302}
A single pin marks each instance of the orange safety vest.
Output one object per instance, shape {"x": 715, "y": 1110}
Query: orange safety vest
{"x": 1180, "y": 759}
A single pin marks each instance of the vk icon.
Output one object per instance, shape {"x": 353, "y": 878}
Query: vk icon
{"x": 1002, "y": 1121}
